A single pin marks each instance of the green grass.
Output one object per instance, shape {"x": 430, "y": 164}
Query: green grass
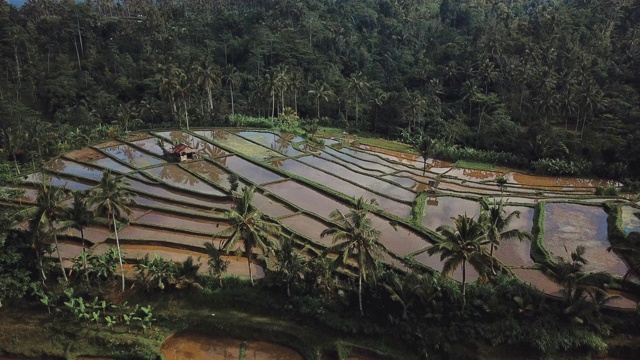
{"x": 475, "y": 165}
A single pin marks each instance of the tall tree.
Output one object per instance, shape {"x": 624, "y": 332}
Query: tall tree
{"x": 289, "y": 263}
{"x": 320, "y": 90}
{"x": 248, "y": 228}
{"x": 232, "y": 78}
{"x": 358, "y": 85}
{"x": 112, "y": 199}
{"x": 49, "y": 211}
{"x": 354, "y": 237}
{"x": 460, "y": 245}
{"x": 424, "y": 145}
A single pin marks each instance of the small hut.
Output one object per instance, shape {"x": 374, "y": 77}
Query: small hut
{"x": 182, "y": 152}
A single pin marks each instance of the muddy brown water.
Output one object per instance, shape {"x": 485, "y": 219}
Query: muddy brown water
{"x": 474, "y": 175}
{"x": 569, "y": 225}
{"x": 142, "y": 233}
{"x": 177, "y": 177}
{"x": 191, "y": 345}
{"x": 186, "y": 222}
{"x": 514, "y": 252}
{"x": 551, "y": 183}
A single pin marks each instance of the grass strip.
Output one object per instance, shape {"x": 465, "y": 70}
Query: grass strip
{"x": 538, "y": 253}
{"x": 475, "y": 165}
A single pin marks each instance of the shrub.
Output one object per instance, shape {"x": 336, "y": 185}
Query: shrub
{"x": 607, "y": 190}
{"x": 561, "y": 167}
{"x": 455, "y": 153}
{"x": 250, "y": 121}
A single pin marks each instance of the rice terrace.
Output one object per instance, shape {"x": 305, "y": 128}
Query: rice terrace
{"x": 182, "y": 183}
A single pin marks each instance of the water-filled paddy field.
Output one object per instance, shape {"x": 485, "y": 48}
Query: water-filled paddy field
{"x": 179, "y": 206}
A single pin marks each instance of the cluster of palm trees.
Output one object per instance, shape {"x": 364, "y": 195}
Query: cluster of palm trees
{"x": 109, "y": 202}
{"x": 356, "y": 241}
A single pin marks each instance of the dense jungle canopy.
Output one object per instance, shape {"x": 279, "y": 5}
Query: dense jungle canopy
{"x": 546, "y": 80}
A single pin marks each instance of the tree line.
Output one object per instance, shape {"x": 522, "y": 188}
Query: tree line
{"x": 544, "y": 80}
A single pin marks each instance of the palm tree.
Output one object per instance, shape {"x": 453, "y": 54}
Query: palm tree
{"x": 358, "y": 85}
{"x": 112, "y": 199}
{"x": 459, "y": 246}
{"x": 579, "y": 286}
{"x": 79, "y": 216}
{"x": 355, "y": 237}
{"x": 290, "y": 264}
{"x": 49, "y": 210}
{"x": 249, "y": 227}
{"x": 217, "y": 265}
{"x": 320, "y": 90}
{"x": 232, "y": 78}
{"x": 207, "y": 76}
{"x": 410, "y": 287}
{"x": 424, "y": 145}
{"x": 492, "y": 217}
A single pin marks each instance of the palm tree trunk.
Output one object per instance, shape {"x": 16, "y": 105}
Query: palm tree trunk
{"x": 464, "y": 288}
{"x": 55, "y": 239}
{"x": 39, "y": 256}
{"x": 250, "y": 274}
{"x": 288, "y": 288}
{"x": 220, "y": 280}
{"x": 115, "y": 229}
{"x": 360, "y": 292}
{"x": 210, "y": 98}
{"x": 318, "y": 106}
{"x": 84, "y": 248}
{"x": 232, "y": 105}
{"x": 424, "y": 164}
{"x": 356, "y": 110}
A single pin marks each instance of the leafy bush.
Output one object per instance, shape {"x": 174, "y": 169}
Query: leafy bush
{"x": 455, "y": 153}
{"x": 250, "y": 121}
{"x": 561, "y": 167}
{"x": 607, "y": 190}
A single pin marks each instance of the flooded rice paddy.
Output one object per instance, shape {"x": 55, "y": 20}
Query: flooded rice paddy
{"x": 179, "y": 206}
{"x": 569, "y": 225}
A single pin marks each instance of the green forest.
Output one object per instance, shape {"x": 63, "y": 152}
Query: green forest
{"x": 547, "y": 87}
{"x": 552, "y": 83}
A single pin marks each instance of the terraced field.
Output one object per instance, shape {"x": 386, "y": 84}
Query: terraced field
{"x": 179, "y": 206}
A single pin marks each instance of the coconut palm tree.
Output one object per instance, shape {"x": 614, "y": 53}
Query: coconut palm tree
{"x": 79, "y": 216}
{"x": 48, "y": 212}
{"x": 496, "y": 222}
{"x": 583, "y": 292}
{"x": 358, "y": 85}
{"x": 232, "y": 78}
{"x": 320, "y": 90}
{"x": 460, "y": 245}
{"x": 424, "y": 145}
{"x": 248, "y": 227}
{"x": 289, "y": 263}
{"x": 113, "y": 200}
{"x": 355, "y": 237}
{"x": 217, "y": 265}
